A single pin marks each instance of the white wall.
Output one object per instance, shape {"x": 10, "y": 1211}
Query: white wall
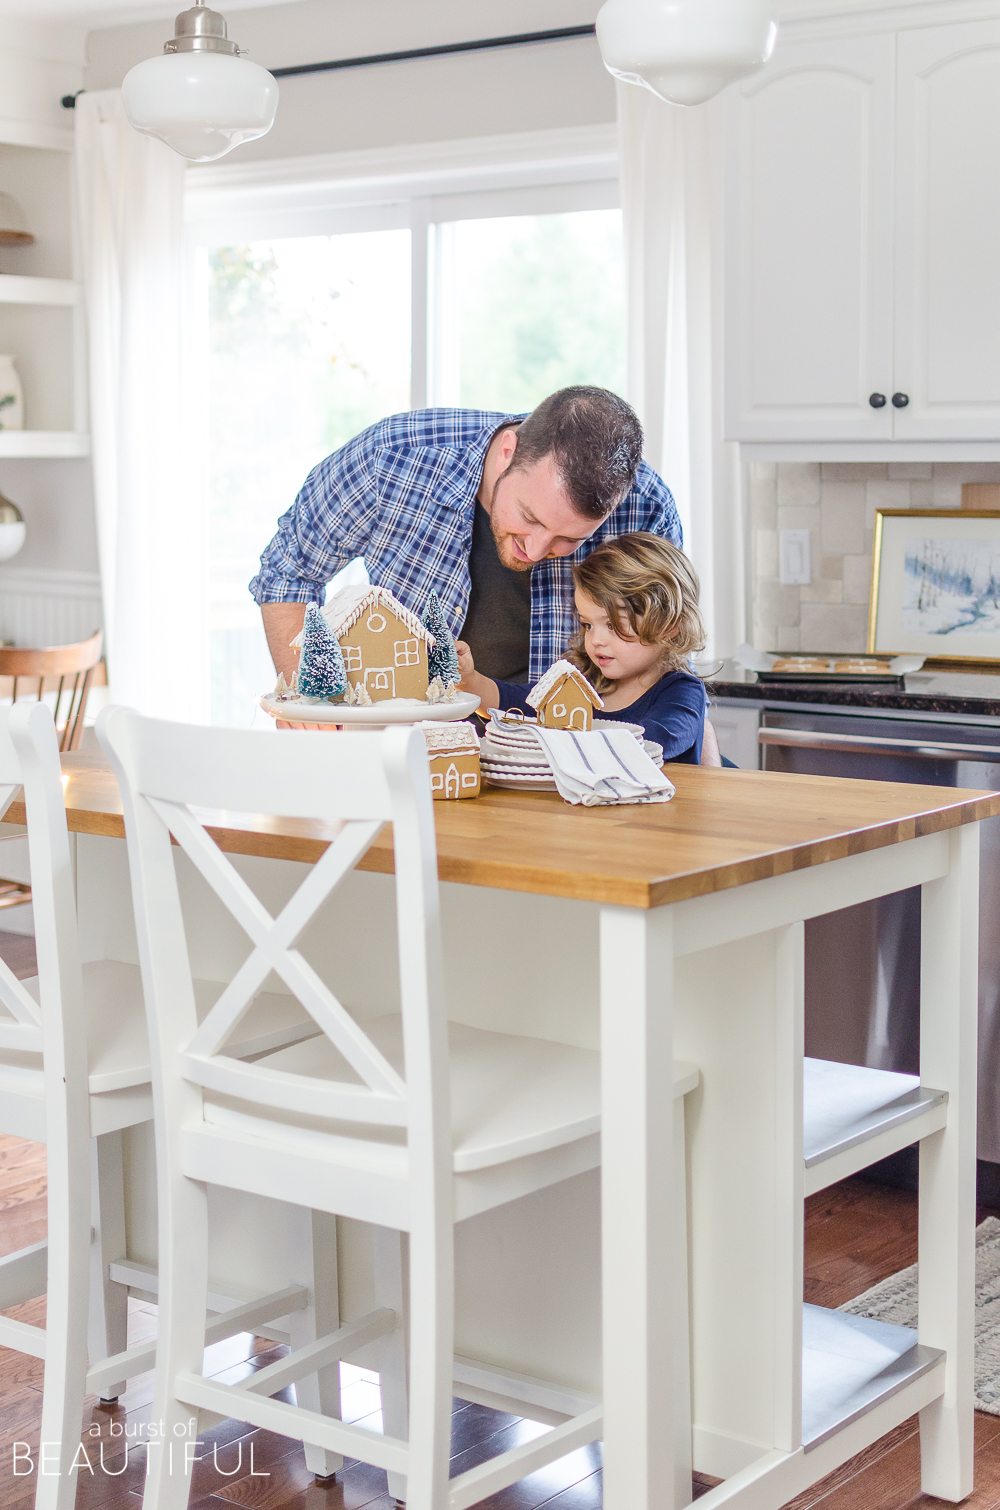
{"x": 527, "y": 88}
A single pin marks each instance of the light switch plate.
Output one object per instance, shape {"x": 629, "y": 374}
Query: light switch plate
{"x": 794, "y": 555}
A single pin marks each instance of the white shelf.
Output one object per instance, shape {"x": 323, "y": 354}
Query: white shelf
{"x": 18, "y": 444}
{"x": 16, "y": 290}
{"x": 852, "y": 1117}
{"x": 850, "y": 1364}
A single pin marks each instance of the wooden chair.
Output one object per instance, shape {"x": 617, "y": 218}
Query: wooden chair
{"x": 74, "y": 1072}
{"x": 69, "y": 672}
{"x": 399, "y": 1119}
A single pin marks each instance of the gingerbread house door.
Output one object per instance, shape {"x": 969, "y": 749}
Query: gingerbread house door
{"x": 452, "y": 784}
{"x": 380, "y": 681}
{"x": 578, "y": 719}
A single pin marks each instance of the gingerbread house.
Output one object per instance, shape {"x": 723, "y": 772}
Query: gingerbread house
{"x": 384, "y": 645}
{"x": 453, "y": 753}
{"x": 564, "y": 699}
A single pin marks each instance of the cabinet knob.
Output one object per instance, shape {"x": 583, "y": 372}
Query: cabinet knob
{"x": 877, "y": 400}
{"x": 900, "y": 400}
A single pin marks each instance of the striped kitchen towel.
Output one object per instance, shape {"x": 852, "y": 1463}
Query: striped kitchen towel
{"x": 602, "y": 768}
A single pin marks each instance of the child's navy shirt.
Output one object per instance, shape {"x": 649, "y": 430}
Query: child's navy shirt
{"x": 672, "y": 713}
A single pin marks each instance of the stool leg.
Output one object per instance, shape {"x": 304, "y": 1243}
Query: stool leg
{"x": 317, "y": 1270}
{"x": 66, "y": 1320}
{"x": 108, "y": 1325}
{"x": 180, "y": 1343}
{"x": 432, "y": 1351}
{"x": 390, "y": 1282}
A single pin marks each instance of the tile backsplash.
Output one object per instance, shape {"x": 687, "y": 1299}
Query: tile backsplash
{"x": 836, "y": 503}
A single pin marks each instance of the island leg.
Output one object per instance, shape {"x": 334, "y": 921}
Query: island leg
{"x": 637, "y": 1203}
{"x": 949, "y": 969}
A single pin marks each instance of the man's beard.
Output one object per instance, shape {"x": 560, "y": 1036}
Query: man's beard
{"x": 500, "y": 539}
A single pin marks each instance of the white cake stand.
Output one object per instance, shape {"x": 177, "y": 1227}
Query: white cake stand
{"x": 391, "y": 710}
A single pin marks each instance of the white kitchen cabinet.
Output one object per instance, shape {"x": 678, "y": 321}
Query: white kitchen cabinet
{"x": 862, "y": 221}
{"x": 947, "y": 295}
{"x": 809, "y": 244}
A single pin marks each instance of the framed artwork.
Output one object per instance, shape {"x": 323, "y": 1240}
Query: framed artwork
{"x": 936, "y": 584}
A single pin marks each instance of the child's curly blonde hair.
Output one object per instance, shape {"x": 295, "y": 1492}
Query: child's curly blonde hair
{"x": 649, "y": 591}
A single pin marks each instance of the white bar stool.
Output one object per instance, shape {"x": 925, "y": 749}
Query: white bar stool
{"x": 74, "y": 1072}
{"x": 405, "y": 1121}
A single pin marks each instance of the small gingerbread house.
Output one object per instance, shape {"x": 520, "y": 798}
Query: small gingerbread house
{"x": 453, "y": 753}
{"x": 384, "y": 645}
{"x": 564, "y": 699}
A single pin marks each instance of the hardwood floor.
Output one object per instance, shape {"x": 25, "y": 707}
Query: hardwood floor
{"x": 856, "y": 1234}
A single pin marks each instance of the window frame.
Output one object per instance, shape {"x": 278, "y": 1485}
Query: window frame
{"x": 424, "y": 188}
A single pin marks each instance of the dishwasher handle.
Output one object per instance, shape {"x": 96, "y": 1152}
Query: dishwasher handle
{"x": 873, "y": 744}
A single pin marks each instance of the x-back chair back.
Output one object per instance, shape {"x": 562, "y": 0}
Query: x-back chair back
{"x": 356, "y": 784}
{"x": 357, "y": 1121}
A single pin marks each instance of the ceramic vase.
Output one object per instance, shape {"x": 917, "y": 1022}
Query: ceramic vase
{"x": 11, "y": 396}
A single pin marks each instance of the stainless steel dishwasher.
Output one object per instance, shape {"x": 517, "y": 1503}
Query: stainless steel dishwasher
{"x": 863, "y": 964}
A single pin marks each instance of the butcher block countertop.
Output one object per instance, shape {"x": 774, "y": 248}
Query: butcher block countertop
{"x": 724, "y": 828}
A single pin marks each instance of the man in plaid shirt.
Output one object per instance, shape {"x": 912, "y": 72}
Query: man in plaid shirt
{"x": 487, "y": 510}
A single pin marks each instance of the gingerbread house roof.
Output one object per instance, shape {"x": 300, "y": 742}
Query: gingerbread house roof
{"x": 346, "y": 607}
{"x": 547, "y": 685}
{"x": 450, "y": 739}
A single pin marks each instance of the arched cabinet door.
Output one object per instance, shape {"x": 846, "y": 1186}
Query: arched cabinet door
{"x": 947, "y": 358}
{"x": 809, "y": 244}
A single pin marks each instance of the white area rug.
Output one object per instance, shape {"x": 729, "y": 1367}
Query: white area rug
{"x": 895, "y": 1300}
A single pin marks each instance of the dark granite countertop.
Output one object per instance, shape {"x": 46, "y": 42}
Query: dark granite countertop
{"x": 926, "y": 691}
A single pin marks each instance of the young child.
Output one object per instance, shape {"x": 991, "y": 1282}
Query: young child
{"x": 637, "y": 605}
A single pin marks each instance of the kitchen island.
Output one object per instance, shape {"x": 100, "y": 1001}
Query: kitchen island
{"x": 649, "y": 932}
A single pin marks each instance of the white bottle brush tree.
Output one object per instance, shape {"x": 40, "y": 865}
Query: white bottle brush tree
{"x": 321, "y": 670}
{"x": 442, "y": 658}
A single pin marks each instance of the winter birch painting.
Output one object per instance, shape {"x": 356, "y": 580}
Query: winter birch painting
{"x": 951, "y": 587}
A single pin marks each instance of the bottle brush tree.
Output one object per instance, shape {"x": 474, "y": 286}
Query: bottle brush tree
{"x": 442, "y": 659}
{"x": 321, "y": 662}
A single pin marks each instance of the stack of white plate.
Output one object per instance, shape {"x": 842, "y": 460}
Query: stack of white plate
{"x": 511, "y": 754}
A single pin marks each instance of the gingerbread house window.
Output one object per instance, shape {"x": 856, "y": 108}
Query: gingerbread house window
{"x": 559, "y": 710}
{"x": 376, "y": 622}
{"x": 407, "y": 653}
{"x": 352, "y": 657}
{"x": 469, "y": 778}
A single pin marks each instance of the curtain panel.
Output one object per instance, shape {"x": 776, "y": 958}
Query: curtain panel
{"x": 670, "y": 168}
{"x": 150, "y": 518}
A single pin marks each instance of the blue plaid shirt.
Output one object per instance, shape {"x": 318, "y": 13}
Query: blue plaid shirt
{"x": 402, "y": 494}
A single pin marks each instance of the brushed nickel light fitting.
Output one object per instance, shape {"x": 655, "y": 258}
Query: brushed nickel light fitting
{"x": 203, "y": 97}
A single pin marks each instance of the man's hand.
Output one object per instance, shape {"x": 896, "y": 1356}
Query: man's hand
{"x": 710, "y": 747}
{"x": 282, "y": 622}
{"x": 486, "y": 690}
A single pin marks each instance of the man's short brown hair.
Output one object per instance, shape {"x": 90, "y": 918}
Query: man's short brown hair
{"x": 595, "y": 440}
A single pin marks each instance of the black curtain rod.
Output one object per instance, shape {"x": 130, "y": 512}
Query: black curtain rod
{"x": 557, "y": 34}
{"x": 485, "y": 44}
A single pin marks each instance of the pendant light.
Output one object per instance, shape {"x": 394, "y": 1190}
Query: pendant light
{"x": 201, "y": 98}
{"x": 685, "y": 51}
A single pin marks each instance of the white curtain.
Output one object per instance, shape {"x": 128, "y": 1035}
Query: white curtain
{"x": 130, "y": 201}
{"x": 670, "y": 159}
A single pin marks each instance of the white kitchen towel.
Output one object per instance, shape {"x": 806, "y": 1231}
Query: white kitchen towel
{"x": 602, "y": 768}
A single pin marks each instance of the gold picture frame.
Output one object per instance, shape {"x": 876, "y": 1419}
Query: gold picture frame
{"x": 936, "y": 585}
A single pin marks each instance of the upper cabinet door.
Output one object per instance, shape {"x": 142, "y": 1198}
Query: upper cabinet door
{"x": 948, "y": 233}
{"x": 808, "y": 239}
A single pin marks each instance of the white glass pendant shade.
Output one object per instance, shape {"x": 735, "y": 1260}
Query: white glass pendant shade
{"x": 685, "y": 51}
{"x": 201, "y": 98}
{"x": 200, "y": 103}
